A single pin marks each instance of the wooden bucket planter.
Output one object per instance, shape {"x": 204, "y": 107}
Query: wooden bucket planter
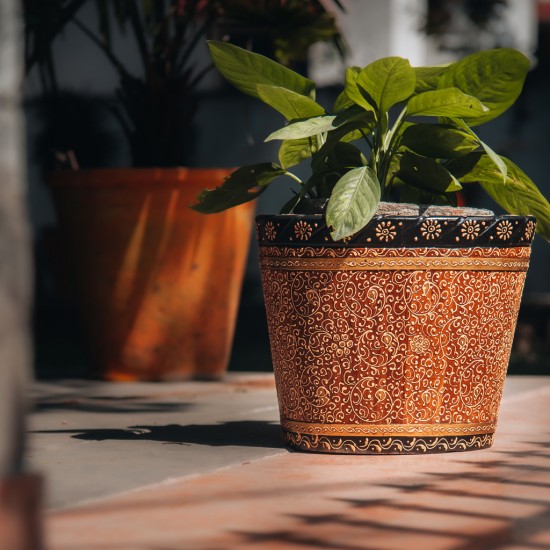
{"x": 397, "y": 340}
{"x": 158, "y": 284}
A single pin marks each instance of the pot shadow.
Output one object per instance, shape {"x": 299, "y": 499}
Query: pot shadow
{"x": 247, "y": 433}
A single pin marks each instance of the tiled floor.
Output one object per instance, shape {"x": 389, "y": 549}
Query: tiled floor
{"x": 223, "y": 481}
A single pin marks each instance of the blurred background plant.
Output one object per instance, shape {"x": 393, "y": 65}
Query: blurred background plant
{"x": 466, "y": 26}
{"x": 156, "y": 108}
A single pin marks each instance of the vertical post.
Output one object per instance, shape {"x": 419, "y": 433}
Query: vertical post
{"x": 19, "y": 492}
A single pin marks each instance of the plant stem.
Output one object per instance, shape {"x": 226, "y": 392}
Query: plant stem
{"x": 294, "y": 177}
{"x": 103, "y": 47}
{"x": 390, "y": 136}
{"x": 366, "y": 138}
{"x": 387, "y": 152}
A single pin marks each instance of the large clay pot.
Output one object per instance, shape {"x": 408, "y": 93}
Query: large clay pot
{"x": 157, "y": 283}
{"x": 398, "y": 340}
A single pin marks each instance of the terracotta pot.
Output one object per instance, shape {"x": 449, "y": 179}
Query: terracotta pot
{"x": 398, "y": 340}
{"x": 157, "y": 283}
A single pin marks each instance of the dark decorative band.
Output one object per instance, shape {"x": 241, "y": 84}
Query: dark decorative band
{"x": 418, "y": 263}
{"x": 386, "y": 445}
{"x": 388, "y": 430}
{"x": 401, "y": 231}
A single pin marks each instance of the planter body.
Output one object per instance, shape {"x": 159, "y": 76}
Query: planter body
{"x": 158, "y": 284}
{"x": 398, "y": 340}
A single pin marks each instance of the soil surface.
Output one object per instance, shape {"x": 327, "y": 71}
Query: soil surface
{"x": 405, "y": 209}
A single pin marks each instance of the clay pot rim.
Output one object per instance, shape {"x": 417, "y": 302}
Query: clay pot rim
{"x": 206, "y": 177}
{"x": 397, "y": 231}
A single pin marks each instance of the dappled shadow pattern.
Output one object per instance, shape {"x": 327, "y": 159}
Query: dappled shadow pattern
{"x": 250, "y": 433}
{"x": 473, "y": 509}
{"x": 295, "y": 540}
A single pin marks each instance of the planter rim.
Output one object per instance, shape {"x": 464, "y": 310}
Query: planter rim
{"x": 393, "y": 231}
{"x": 207, "y": 177}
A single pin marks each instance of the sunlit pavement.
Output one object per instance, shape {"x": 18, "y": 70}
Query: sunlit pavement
{"x": 201, "y": 466}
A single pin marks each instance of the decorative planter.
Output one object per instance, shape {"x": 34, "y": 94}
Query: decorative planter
{"x": 158, "y": 284}
{"x": 397, "y": 340}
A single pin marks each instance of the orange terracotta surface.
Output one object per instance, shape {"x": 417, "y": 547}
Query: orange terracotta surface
{"x": 495, "y": 498}
{"x": 158, "y": 283}
{"x": 391, "y": 350}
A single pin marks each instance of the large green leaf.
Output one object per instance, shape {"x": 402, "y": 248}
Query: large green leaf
{"x": 499, "y": 163}
{"x": 243, "y": 185}
{"x": 320, "y": 124}
{"x": 438, "y": 140}
{"x": 343, "y": 101}
{"x": 294, "y": 151}
{"x": 352, "y": 92}
{"x": 355, "y": 113}
{"x": 246, "y": 70}
{"x": 518, "y": 195}
{"x": 290, "y": 104}
{"x": 424, "y": 173}
{"x": 346, "y": 132}
{"x": 495, "y": 77}
{"x": 427, "y": 78}
{"x": 497, "y": 160}
{"x": 304, "y": 128}
{"x": 353, "y": 202}
{"x": 448, "y": 102}
{"x": 344, "y": 156}
{"x": 387, "y": 81}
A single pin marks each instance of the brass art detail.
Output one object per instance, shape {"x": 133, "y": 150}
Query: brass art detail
{"x": 530, "y": 230}
{"x": 385, "y": 231}
{"x": 470, "y": 230}
{"x": 303, "y": 231}
{"x": 390, "y": 445}
{"x": 504, "y": 230}
{"x": 415, "y": 347}
{"x": 430, "y": 229}
{"x": 517, "y": 253}
{"x": 389, "y": 430}
{"x": 407, "y": 264}
{"x": 270, "y": 231}
{"x": 404, "y": 231}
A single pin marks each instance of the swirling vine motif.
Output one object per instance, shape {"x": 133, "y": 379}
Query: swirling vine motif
{"x": 389, "y": 357}
{"x": 387, "y": 445}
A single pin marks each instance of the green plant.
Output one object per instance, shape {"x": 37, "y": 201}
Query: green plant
{"x": 395, "y": 131}
{"x": 157, "y": 106}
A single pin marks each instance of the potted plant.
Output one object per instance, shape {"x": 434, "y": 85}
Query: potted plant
{"x": 157, "y": 283}
{"x": 390, "y": 323}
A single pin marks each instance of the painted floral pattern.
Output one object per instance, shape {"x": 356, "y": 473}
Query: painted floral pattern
{"x": 430, "y": 229}
{"x": 342, "y": 332}
{"x": 385, "y": 231}
{"x": 419, "y": 344}
{"x": 406, "y": 231}
{"x": 530, "y": 229}
{"x": 303, "y": 231}
{"x": 270, "y": 231}
{"x": 504, "y": 230}
{"x": 470, "y": 230}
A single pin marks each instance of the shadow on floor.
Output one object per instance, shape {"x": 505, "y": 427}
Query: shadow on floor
{"x": 111, "y": 405}
{"x": 247, "y": 433}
